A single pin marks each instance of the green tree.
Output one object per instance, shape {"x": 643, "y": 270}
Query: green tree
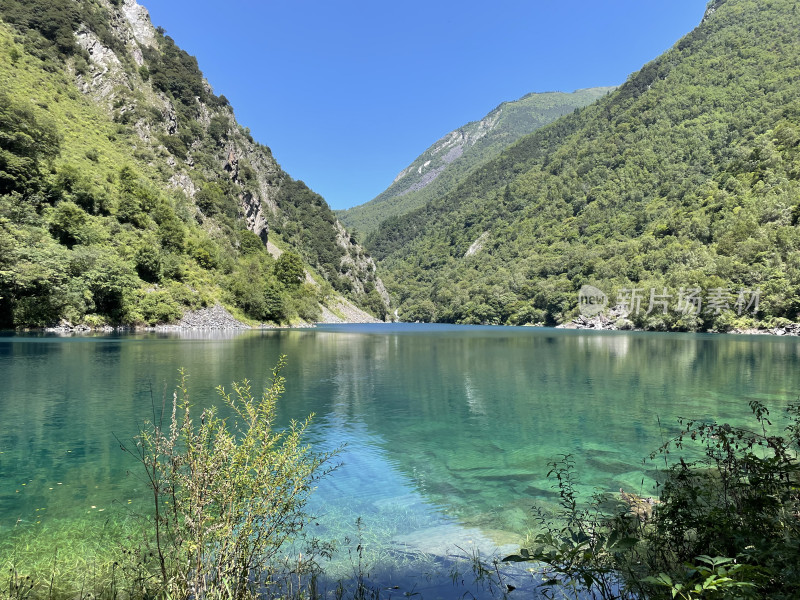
{"x": 172, "y": 234}
{"x": 148, "y": 261}
{"x": 250, "y": 243}
{"x": 136, "y": 199}
{"x": 109, "y": 279}
{"x": 289, "y": 269}
{"x": 25, "y": 141}
{"x": 67, "y": 223}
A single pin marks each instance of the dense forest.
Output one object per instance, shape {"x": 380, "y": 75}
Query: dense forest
{"x": 683, "y": 181}
{"x": 128, "y": 192}
{"x": 447, "y": 162}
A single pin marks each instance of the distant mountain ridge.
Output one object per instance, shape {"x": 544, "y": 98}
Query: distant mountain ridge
{"x": 684, "y": 180}
{"x": 440, "y": 168}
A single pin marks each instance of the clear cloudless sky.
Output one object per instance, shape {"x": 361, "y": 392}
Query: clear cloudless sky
{"x": 347, "y": 93}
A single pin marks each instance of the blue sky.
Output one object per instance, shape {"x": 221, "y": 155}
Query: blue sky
{"x": 348, "y": 93}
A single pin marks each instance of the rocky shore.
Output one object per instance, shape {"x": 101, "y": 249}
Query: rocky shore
{"x": 790, "y": 329}
{"x": 217, "y": 318}
{"x": 620, "y": 323}
{"x": 599, "y": 323}
{"x": 615, "y": 320}
{"x": 211, "y": 317}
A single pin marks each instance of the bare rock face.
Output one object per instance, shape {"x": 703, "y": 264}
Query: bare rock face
{"x": 477, "y": 245}
{"x": 258, "y": 194}
{"x": 139, "y": 20}
{"x": 359, "y": 266}
{"x": 105, "y": 69}
{"x": 131, "y": 25}
{"x": 711, "y": 9}
{"x": 107, "y": 75}
{"x": 184, "y": 183}
{"x": 445, "y": 151}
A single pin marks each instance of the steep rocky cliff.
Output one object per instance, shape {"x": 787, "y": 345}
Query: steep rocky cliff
{"x": 147, "y": 133}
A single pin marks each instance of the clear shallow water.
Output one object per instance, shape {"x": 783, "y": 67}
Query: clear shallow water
{"x": 448, "y": 429}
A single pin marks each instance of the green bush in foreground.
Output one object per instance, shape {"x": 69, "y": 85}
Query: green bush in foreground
{"x": 726, "y": 525}
{"x": 227, "y": 493}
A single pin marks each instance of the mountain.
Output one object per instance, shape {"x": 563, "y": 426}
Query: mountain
{"x": 441, "y": 167}
{"x": 681, "y": 187}
{"x": 129, "y": 193}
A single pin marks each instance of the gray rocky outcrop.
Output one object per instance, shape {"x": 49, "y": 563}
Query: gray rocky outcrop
{"x": 211, "y": 317}
{"x": 612, "y": 320}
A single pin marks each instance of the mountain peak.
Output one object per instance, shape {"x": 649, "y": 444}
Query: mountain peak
{"x": 437, "y": 170}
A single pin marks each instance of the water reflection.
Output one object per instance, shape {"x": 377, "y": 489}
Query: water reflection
{"x": 444, "y": 424}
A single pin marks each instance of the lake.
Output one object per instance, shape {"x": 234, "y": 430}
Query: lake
{"x": 448, "y": 430}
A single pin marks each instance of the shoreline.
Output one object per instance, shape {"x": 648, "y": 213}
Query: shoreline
{"x": 604, "y": 323}
{"x": 209, "y": 318}
{"x": 792, "y": 330}
{"x": 218, "y": 319}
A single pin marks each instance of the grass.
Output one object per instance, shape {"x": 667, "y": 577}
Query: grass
{"x": 73, "y": 558}
{"x": 105, "y": 559}
{"x": 86, "y": 130}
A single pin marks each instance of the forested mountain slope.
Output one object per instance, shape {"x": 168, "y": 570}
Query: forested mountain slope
{"x": 441, "y": 167}
{"x": 688, "y": 176}
{"x": 129, "y": 193}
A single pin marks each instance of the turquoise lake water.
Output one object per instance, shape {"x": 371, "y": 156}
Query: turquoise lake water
{"x": 448, "y": 430}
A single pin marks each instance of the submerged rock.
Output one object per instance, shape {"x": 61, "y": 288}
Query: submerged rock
{"x": 640, "y": 506}
{"x": 454, "y": 541}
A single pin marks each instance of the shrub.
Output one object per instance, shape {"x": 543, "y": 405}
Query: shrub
{"x": 739, "y": 500}
{"x": 25, "y": 141}
{"x": 148, "y": 261}
{"x": 67, "y": 222}
{"x": 725, "y": 526}
{"x": 108, "y": 278}
{"x": 205, "y": 252}
{"x": 306, "y": 305}
{"x": 227, "y": 494}
{"x": 250, "y": 243}
{"x": 172, "y": 234}
{"x": 212, "y": 199}
{"x": 175, "y": 145}
{"x": 373, "y": 303}
{"x": 172, "y": 267}
{"x": 274, "y": 302}
{"x": 158, "y": 306}
{"x": 218, "y": 128}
